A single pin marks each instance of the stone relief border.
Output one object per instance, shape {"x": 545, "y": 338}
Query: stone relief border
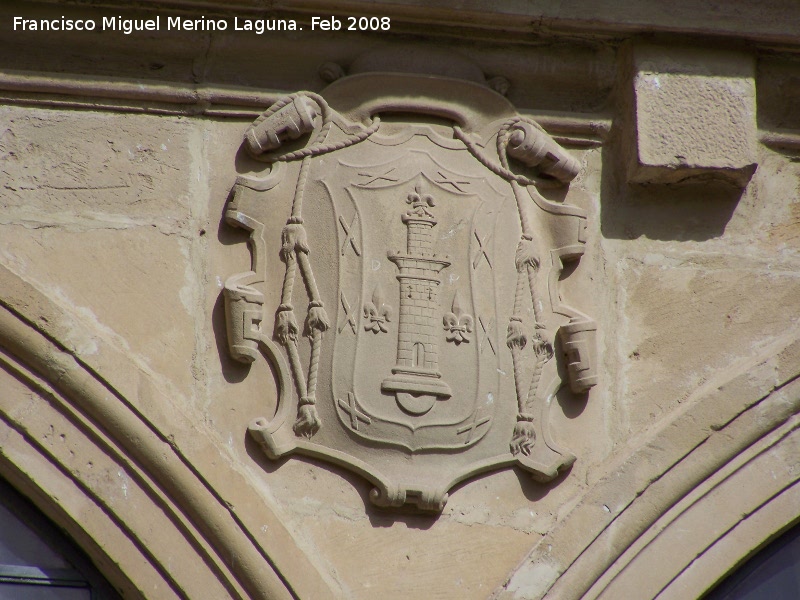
{"x": 165, "y": 506}
{"x": 745, "y": 418}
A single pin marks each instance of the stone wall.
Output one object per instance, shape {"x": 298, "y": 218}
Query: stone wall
{"x": 125, "y": 419}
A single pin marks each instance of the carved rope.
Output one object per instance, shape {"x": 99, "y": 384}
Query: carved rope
{"x": 295, "y": 252}
{"x": 527, "y": 264}
{"x": 314, "y": 148}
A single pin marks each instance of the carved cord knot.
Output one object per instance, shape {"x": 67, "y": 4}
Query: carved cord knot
{"x": 524, "y": 436}
{"x": 516, "y": 336}
{"x": 308, "y": 421}
{"x": 293, "y": 239}
{"x": 526, "y": 256}
{"x": 542, "y": 348}
{"x": 286, "y": 328}
{"x": 317, "y": 318}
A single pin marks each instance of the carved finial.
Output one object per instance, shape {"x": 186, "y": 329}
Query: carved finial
{"x": 418, "y": 199}
{"x": 419, "y": 202}
{"x": 331, "y": 71}
{"x": 499, "y": 84}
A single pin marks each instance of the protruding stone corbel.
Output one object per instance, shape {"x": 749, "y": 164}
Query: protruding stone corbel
{"x": 694, "y": 114}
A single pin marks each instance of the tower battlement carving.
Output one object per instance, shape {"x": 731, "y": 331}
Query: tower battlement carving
{"x": 416, "y": 380}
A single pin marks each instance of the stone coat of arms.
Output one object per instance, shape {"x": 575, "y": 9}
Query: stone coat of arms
{"x": 404, "y": 282}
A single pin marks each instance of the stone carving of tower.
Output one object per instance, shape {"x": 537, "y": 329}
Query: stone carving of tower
{"x": 415, "y": 379}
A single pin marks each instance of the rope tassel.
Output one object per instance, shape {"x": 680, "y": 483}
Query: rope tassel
{"x": 285, "y": 324}
{"x": 295, "y": 250}
{"x": 308, "y": 421}
{"x": 317, "y": 318}
{"x": 524, "y": 435}
{"x": 516, "y": 336}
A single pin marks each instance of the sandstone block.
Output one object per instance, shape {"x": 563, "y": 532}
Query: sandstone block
{"x": 695, "y": 115}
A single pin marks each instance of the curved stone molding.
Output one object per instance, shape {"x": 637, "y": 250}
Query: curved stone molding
{"x": 75, "y": 430}
{"x": 719, "y": 450}
{"x": 757, "y": 484}
{"x": 736, "y": 545}
{"x": 81, "y": 480}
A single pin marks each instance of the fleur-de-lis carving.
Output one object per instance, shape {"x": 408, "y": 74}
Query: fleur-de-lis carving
{"x": 377, "y": 313}
{"x": 419, "y": 203}
{"x": 457, "y": 323}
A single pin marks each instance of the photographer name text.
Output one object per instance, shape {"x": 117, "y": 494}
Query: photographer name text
{"x": 157, "y": 23}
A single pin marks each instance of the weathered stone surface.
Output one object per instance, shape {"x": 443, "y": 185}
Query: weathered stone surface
{"x": 676, "y": 302}
{"x": 74, "y": 168}
{"x": 467, "y": 549}
{"x": 121, "y": 263}
{"x": 694, "y": 114}
{"x": 101, "y": 200}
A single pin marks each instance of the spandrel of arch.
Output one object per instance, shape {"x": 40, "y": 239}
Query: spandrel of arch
{"x": 38, "y": 561}
{"x": 772, "y": 573}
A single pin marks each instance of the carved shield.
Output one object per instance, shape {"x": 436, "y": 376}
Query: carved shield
{"x": 404, "y": 283}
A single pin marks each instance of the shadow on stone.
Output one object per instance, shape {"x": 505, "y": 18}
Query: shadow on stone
{"x": 412, "y": 519}
{"x": 227, "y": 235}
{"x": 256, "y": 454}
{"x": 572, "y": 405}
{"x": 535, "y": 490}
{"x": 695, "y": 210}
{"x": 233, "y": 371}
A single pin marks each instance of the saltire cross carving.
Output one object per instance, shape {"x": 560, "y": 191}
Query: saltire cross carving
{"x": 351, "y": 408}
{"x": 348, "y": 235}
{"x": 482, "y": 250}
{"x": 443, "y": 180}
{"x": 470, "y": 429}
{"x": 374, "y": 178}
{"x": 487, "y": 327}
{"x": 349, "y": 314}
